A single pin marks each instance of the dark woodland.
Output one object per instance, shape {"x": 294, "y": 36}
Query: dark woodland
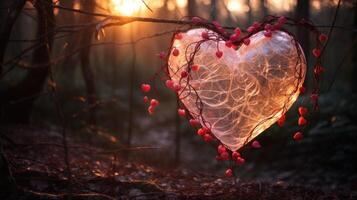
{"x": 74, "y": 122}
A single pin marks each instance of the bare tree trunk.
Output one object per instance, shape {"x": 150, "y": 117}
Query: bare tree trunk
{"x": 131, "y": 88}
{"x": 177, "y": 137}
{"x": 263, "y": 8}
{"x": 303, "y": 12}
{"x": 17, "y": 101}
{"x": 87, "y": 71}
{"x": 213, "y": 14}
{"x": 7, "y": 182}
{"x": 7, "y": 19}
{"x": 354, "y": 61}
{"x": 191, "y": 8}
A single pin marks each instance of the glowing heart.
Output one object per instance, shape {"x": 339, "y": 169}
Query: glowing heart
{"x": 242, "y": 93}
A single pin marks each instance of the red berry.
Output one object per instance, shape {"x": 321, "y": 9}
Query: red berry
{"x": 181, "y": 112}
{"x": 314, "y": 97}
{"x": 302, "y": 110}
{"x": 237, "y": 31}
{"x": 281, "y": 120}
{"x": 319, "y": 70}
{"x": 322, "y": 37}
{"x": 216, "y": 24}
{"x": 256, "y": 144}
{"x": 196, "y": 20}
{"x": 194, "y": 122}
{"x": 246, "y": 41}
{"x": 151, "y": 110}
{"x": 219, "y": 54}
{"x": 178, "y": 36}
{"x": 267, "y": 33}
{"x": 145, "y": 99}
{"x": 298, "y": 136}
{"x": 204, "y": 35}
{"x": 302, "y": 89}
{"x": 240, "y": 161}
{"x": 195, "y": 67}
{"x": 170, "y": 84}
{"x": 221, "y": 148}
{"x": 201, "y": 131}
{"x": 268, "y": 27}
{"x": 302, "y": 121}
{"x": 316, "y": 52}
{"x": 145, "y": 87}
{"x": 224, "y": 155}
{"x": 229, "y": 173}
{"x": 229, "y": 44}
{"x": 256, "y": 24}
{"x": 154, "y": 102}
{"x": 207, "y": 137}
{"x": 177, "y": 87}
{"x": 175, "y": 52}
{"x": 281, "y": 20}
{"x": 234, "y": 37}
{"x": 235, "y": 155}
{"x": 184, "y": 74}
{"x": 251, "y": 29}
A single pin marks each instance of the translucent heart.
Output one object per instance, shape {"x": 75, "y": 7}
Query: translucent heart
{"x": 242, "y": 93}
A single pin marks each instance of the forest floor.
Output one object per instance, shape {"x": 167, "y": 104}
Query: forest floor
{"x": 36, "y": 157}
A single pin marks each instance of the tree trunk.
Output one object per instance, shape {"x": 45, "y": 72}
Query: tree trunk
{"x": 354, "y": 61}
{"x": 7, "y": 182}
{"x": 191, "y": 8}
{"x": 7, "y": 20}
{"x": 17, "y": 101}
{"x": 213, "y": 14}
{"x": 87, "y": 71}
{"x": 303, "y": 12}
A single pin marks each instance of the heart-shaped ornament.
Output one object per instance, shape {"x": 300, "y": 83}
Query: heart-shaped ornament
{"x": 241, "y": 93}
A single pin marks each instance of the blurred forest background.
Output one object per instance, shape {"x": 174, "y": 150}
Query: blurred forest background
{"x": 98, "y": 86}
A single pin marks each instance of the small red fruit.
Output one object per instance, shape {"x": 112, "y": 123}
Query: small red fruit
{"x": 145, "y": 87}
{"x": 175, "y": 52}
{"x": 177, "y": 87}
{"x": 314, "y": 97}
{"x": 201, "y": 131}
{"x": 316, "y": 52}
{"x": 246, "y": 41}
{"x": 221, "y": 148}
{"x": 322, "y": 37}
{"x": 224, "y": 155}
{"x": 281, "y": 120}
{"x": 229, "y": 44}
{"x": 281, "y": 20}
{"x": 256, "y": 144}
{"x": 178, "y": 36}
{"x": 154, "y": 102}
{"x": 302, "y": 110}
{"x": 267, "y": 33}
{"x": 181, "y": 112}
{"x": 268, "y": 27}
{"x": 302, "y": 121}
{"x": 170, "y": 84}
{"x": 195, "y": 68}
{"x": 204, "y": 35}
{"x": 196, "y": 20}
{"x": 151, "y": 110}
{"x": 194, "y": 122}
{"x": 145, "y": 99}
{"x": 184, "y": 74}
{"x": 298, "y": 136}
{"x": 240, "y": 161}
{"x": 302, "y": 89}
{"x": 235, "y": 155}
{"x": 234, "y": 37}
{"x": 219, "y": 54}
{"x": 207, "y": 137}
{"x": 251, "y": 29}
{"x": 229, "y": 173}
{"x": 162, "y": 55}
{"x": 237, "y": 31}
